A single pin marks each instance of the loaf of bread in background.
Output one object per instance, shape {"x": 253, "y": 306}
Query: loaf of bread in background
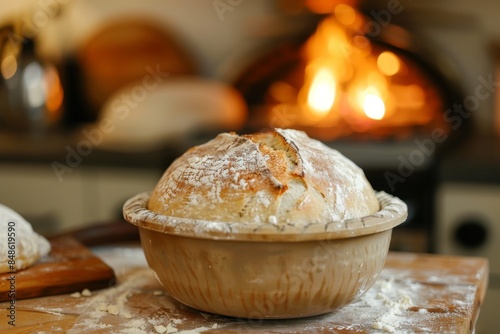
{"x": 277, "y": 177}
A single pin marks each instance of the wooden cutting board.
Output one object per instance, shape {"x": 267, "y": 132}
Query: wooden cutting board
{"x": 70, "y": 267}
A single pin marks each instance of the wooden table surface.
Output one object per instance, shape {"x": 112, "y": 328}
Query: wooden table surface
{"x": 415, "y": 293}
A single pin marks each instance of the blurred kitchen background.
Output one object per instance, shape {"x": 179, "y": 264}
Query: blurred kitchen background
{"x": 98, "y": 97}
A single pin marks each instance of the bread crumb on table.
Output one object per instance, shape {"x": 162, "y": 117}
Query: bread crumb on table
{"x": 86, "y": 293}
{"x": 382, "y": 326}
{"x": 75, "y": 295}
{"x": 171, "y": 329}
{"x": 113, "y": 309}
{"x": 160, "y": 329}
{"x": 272, "y": 220}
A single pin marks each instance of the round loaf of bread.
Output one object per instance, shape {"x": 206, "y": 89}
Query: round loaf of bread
{"x": 277, "y": 177}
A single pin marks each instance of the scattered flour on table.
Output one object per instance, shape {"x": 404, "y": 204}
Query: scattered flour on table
{"x": 391, "y": 302}
{"x": 118, "y": 310}
{"x": 389, "y": 321}
{"x": 53, "y": 311}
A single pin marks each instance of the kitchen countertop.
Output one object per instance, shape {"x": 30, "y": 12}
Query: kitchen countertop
{"x": 414, "y": 293}
{"x": 60, "y": 146}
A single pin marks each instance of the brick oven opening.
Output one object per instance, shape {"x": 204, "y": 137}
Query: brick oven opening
{"x": 344, "y": 81}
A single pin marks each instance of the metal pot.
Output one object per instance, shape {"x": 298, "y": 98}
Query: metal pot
{"x": 31, "y": 94}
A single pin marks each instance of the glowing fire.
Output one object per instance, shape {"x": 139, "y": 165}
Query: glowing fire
{"x": 345, "y": 68}
{"x": 388, "y": 63}
{"x": 373, "y": 105}
{"x": 349, "y": 84}
{"x": 321, "y": 94}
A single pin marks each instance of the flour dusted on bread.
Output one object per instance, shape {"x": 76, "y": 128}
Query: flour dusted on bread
{"x": 28, "y": 246}
{"x": 277, "y": 177}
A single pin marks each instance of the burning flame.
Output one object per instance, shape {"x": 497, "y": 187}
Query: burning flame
{"x": 349, "y": 83}
{"x": 388, "y": 63}
{"x": 373, "y": 105}
{"x": 331, "y": 53}
{"x": 321, "y": 94}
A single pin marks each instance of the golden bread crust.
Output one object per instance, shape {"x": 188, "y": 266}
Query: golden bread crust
{"x": 277, "y": 177}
